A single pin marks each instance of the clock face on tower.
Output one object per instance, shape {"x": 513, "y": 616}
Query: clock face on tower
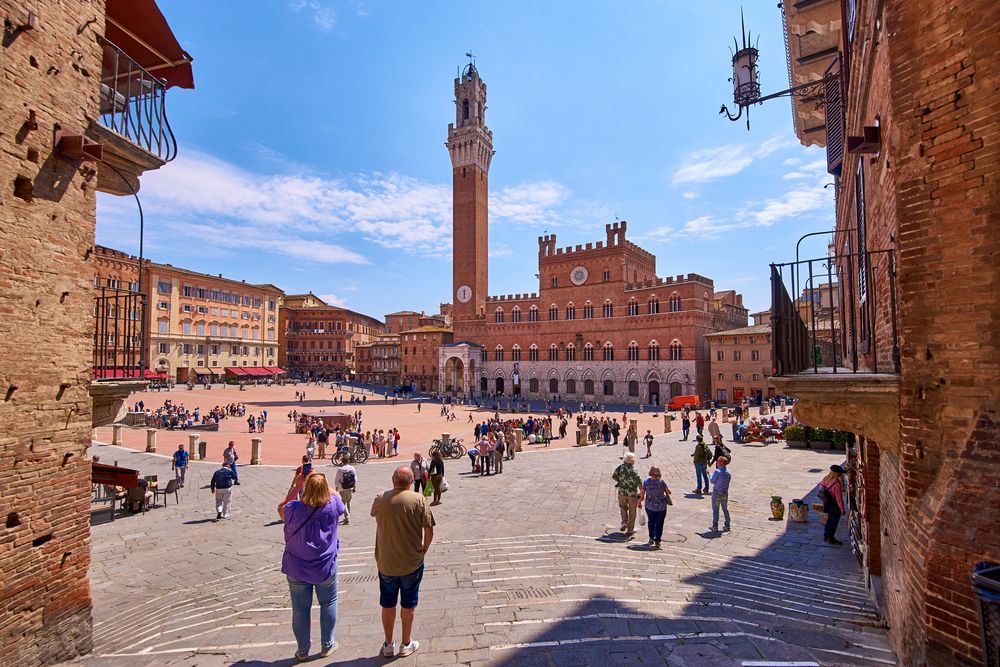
{"x": 578, "y": 276}
{"x": 464, "y": 293}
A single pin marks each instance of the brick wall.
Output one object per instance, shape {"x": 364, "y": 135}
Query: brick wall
{"x": 47, "y": 221}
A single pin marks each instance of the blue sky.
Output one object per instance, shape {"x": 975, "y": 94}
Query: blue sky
{"x": 311, "y": 151}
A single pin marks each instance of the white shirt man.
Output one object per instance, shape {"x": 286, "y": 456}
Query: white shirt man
{"x": 345, "y": 482}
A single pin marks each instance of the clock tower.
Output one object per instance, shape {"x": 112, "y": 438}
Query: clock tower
{"x": 470, "y": 144}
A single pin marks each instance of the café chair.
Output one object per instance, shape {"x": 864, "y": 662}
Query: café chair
{"x": 171, "y": 487}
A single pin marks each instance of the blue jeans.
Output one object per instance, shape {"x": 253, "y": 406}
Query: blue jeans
{"x": 236, "y": 477}
{"x": 701, "y": 473}
{"x": 655, "y": 520}
{"x": 720, "y": 500}
{"x": 302, "y": 596}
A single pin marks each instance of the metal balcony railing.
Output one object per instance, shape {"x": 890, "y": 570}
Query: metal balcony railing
{"x": 119, "y": 317}
{"x": 844, "y": 319}
{"x": 133, "y": 103}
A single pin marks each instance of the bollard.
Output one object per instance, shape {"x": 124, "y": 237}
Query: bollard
{"x": 193, "y": 447}
{"x": 602, "y": 408}
{"x": 445, "y": 438}
{"x": 581, "y": 436}
{"x": 782, "y": 407}
{"x": 640, "y": 408}
{"x": 150, "y": 439}
{"x": 116, "y": 434}
{"x": 255, "y": 451}
{"x": 518, "y": 439}
{"x": 667, "y": 424}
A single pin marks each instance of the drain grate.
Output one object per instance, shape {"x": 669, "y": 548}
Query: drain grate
{"x": 532, "y": 593}
{"x": 358, "y": 578}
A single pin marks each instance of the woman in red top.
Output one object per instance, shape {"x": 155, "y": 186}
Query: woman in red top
{"x": 831, "y": 492}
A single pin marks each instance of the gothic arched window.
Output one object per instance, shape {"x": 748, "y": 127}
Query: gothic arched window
{"x": 465, "y": 109}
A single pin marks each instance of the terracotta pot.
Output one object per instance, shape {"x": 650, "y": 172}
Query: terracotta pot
{"x": 778, "y": 509}
{"x": 798, "y": 512}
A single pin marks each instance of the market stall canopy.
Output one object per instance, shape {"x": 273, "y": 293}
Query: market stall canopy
{"x": 139, "y": 29}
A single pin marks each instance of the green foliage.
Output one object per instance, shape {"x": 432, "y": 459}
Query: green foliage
{"x": 795, "y": 432}
{"x": 821, "y": 435}
{"x": 841, "y": 438}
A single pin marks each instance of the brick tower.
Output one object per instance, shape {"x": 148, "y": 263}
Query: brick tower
{"x": 470, "y": 144}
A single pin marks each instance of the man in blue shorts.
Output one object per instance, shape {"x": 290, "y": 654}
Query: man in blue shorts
{"x": 404, "y": 528}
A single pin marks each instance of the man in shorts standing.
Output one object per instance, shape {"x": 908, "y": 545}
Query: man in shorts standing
{"x": 404, "y": 528}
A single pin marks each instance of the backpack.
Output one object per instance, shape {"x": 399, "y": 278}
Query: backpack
{"x": 348, "y": 480}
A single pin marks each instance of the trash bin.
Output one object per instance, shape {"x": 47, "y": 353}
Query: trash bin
{"x": 202, "y": 450}
{"x": 986, "y": 586}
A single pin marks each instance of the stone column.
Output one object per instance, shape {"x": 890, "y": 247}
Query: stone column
{"x": 581, "y": 435}
{"x": 518, "y": 439}
{"x": 256, "y": 445}
{"x": 667, "y": 424}
{"x": 640, "y": 409}
{"x": 445, "y": 438}
{"x": 193, "y": 447}
{"x": 116, "y": 434}
{"x": 150, "y": 439}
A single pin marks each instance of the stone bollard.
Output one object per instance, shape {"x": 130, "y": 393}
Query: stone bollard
{"x": 256, "y": 444}
{"x": 150, "y": 439}
{"x": 667, "y": 424}
{"x": 116, "y": 434}
{"x": 602, "y": 408}
{"x": 518, "y": 439}
{"x": 193, "y": 447}
{"x": 581, "y": 435}
{"x": 640, "y": 409}
{"x": 782, "y": 406}
{"x": 445, "y": 438}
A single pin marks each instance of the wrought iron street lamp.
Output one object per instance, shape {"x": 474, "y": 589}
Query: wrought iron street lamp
{"x": 746, "y": 83}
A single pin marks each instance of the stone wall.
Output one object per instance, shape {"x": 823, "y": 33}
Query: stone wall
{"x": 47, "y": 220}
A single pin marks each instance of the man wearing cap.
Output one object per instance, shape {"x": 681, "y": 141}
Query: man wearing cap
{"x": 180, "y": 464}
{"x": 831, "y": 492}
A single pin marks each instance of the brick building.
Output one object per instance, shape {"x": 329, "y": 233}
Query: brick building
{"x": 378, "y": 360}
{"x": 741, "y": 364}
{"x": 910, "y": 127}
{"x": 317, "y": 340}
{"x": 121, "y": 334}
{"x": 602, "y": 325}
{"x": 64, "y": 103}
{"x": 419, "y": 352}
{"x": 200, "y": 325}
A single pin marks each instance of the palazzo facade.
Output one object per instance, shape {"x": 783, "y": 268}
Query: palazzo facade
{"x": 601, "y": 327}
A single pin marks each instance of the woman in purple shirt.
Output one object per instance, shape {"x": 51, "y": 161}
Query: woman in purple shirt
{"x": 310, "y": 558}
{"x": 655, "y": 492}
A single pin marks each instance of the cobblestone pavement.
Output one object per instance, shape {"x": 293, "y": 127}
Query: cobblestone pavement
{"x": 527, "y": 568}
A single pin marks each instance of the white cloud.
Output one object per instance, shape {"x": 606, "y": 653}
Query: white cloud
{"x": 690, "y": 195}
{"x": 808, "y": 170}
{"x": 659, "y": 234}
{"x": 301, "y": 216}
{"x": 322, "y": 16}
{"x": 333, "y": 300}
{"x": 709, "y": 164}
{"x": 803, "y": 200}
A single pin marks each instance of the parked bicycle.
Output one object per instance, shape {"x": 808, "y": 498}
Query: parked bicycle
{"x": 357, "y": 453}
{"x": 453, "y": 449}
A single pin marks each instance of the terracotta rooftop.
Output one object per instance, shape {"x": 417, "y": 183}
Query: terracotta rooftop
{"x": 755, "y": 329}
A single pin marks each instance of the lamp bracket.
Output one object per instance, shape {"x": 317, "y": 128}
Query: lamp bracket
{"x": 815, "y": 90}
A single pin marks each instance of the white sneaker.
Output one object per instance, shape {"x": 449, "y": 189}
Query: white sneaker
{"x": 407, "y": 649}
{"x": 388, "y": 650}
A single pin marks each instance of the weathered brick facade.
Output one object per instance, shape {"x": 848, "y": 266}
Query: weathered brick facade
{"x": 741, "y": 364}
{"x": 47, "y": 222}
{"x": 317, "y": 340}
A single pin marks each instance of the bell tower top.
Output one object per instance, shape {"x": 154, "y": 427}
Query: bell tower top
{"x": 470, "y": 142}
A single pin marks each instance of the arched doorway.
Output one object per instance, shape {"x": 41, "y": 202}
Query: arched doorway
{"x": 654, "y": 392}
{"x": 454, "y": 376}
{"x": 498, "y": 387}
{"x": 676, "y": 389}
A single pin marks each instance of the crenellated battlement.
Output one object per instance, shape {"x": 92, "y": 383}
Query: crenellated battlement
{"x": 502, "y": 298}
{"x": 660, "y": 282}
{"x": 546, "y": 245}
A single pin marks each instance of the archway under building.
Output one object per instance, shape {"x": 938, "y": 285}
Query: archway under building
{"x": 498, "y": 386}
{"x": 676, "y": 389}
{"x": 653, "y": 390}
{"x": 456, "y": 378}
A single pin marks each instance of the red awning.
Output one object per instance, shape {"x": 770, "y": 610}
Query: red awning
{"x": 258, "y": 370}
{"x": 157, "y": 375}
{"x": 275, "y": 370}
{"x": 138, "y": 28}
{"x": 112, "y": 373}
{"x": 236, "y": 370}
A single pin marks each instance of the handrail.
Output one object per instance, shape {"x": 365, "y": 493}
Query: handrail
{"x": 133, "y": 103}
{"x": 852, "y": 328}
{"x": 118, "y": 331}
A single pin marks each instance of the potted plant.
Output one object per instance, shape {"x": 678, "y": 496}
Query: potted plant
{"x": 777, "y": 508}
{"x": 795, "y": 436}
{"x": 841, "y": 439}
{"x": 798, "y": 511}
{"x": 821, "y": 438}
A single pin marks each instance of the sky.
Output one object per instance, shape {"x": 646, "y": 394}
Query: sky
{"x": 311, "y": 151}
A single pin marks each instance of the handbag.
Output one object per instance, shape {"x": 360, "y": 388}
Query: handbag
{"x": 444, "y": 485}
{"x": 669, "y": 501}
{"x": 428, "y": 489}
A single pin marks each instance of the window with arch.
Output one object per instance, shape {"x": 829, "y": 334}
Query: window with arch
{"x": 609, "y": 309}
{"x": 571, "y": 386}
{"x": 633, "y": 351}
{"x": 737, "y": 355}
{"x": 553, "y": 352}
{"x": 515, "y": 315}
{"x": 588, "y": 352}
{"x": 675, "y": 351}
{"x": 553, "y": 386}
{"x": 533, "y": 385}
{"x": 533, "y": 353}
{"x": 654, "y": 351}
{"x": 498, "y": 353}
{"x": 609, "y": 387}
{"x": 588, "y": 387}
{"x": 570, "y": 312}
{"x": 607, "y": 275}
{"x": 482, "y": 116}
{"x": 674, "y": 304}
{"x": 515, "y": 353}
{"x": 465, "y": 109}
{"x": 756, "y": 377}
{"x": 653, "y": 305}
{"x": 553, "y": 312}
{"x": 633, "y": 388}
{"x": 720, "y": 376}
{"x": 633, "y": 307}
{"x": 588, "y": 311}
{"x": 555, "y": 281}
{"x": 533, "y": 314}
{"x": 498, "y": 315}
{"x": 609, "y": 352}
{"x": 571, "y": 352}
{"x": 737, "y": 376}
